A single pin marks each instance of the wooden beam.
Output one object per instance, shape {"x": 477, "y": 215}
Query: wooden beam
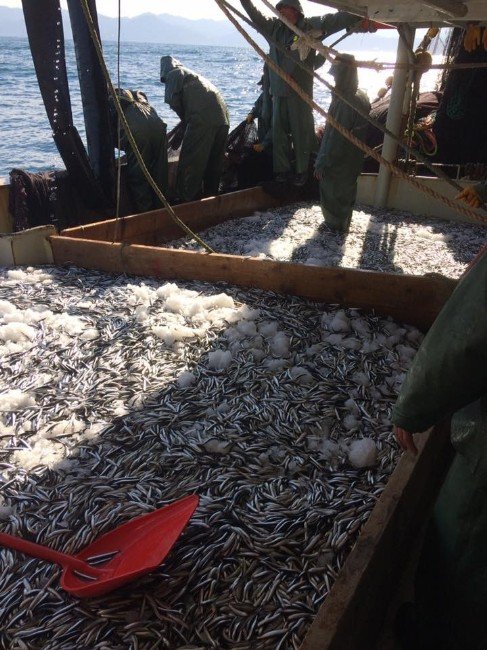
{"x": 410, "y": 299}
{"x": 158, "y": 227}
{"x": 451, "y": 8}
{"x": 354, "y": 610}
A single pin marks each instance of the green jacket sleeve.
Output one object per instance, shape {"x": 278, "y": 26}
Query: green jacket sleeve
{"x": 257, "y": 108}
{"x": 450, "y": 369}
{"x": 332, "y": 140}
{"x": 174, "y": 92}
{"x": 265, "y": 25}
{"x": 332, "y": 23}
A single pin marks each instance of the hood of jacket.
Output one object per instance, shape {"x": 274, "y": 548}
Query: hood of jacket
{"x": 344, "y": 71}
{"x": 295, "y": 4}
{"x": 168, "y": 64}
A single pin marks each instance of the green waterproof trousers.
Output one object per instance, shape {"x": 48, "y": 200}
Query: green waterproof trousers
{"x": 292, "y": 122}
{"x": 149, "y": 132}
{"x": 201, "y": 160}
{"x": 451, "y": 583}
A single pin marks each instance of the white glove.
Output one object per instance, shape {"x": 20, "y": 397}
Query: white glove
{"x": 301, "y": 44}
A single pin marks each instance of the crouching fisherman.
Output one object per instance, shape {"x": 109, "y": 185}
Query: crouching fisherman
{"x": 149, "y": 133}
{"x": 339, "y": 162}
{"x": 202, "y": 110}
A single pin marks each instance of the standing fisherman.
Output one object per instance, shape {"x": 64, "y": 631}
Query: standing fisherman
{"x": 449, "y": 375}
{"x": 262, "y": 110}
{"x": 204, "y": 114}
{"x": 339, "y": 162}
{"x": 293, "y": 117}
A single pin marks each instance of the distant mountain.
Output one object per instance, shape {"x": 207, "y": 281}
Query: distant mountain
{"x": 146, "y": 28}
{"x": 164, "y": 28}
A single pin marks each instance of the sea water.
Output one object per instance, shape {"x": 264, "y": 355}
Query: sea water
{"x": 25, "y": 134}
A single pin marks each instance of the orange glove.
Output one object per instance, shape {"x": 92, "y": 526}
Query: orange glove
{"x": 472, "y": 40}
{"x": 367, "y": 25}
{"x": 470, "y": 196}
{"x": 405, "y": 440}
{"x": 259, "y": 148}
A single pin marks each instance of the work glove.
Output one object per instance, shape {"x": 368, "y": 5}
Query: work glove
{"x": 405, "y": 440}
{"x": 250, "y": 118}
{"x": 469, "y": 195}
{"x": 472, "y": 38}
{"x": 366, "y": 25}
{"x": 258, "y": 147}
{"x": 302, "y": 46}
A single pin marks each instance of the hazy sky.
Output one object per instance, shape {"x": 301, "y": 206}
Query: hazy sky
{"x": 186, "y": 8}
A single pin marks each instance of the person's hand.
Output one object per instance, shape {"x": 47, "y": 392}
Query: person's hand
{"x": 470, "y": 196}
{"x": 250, "y": 118}
{"x": 405, "y": 440}
{"x": 318, "y": 174}
{"x": 259, "y": 147}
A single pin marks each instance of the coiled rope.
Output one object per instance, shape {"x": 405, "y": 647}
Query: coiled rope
{"x": 123, "y": 120}
{"x": 454, "y": 205}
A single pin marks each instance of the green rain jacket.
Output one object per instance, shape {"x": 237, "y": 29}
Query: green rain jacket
{"x": 204, "y": 114}
{"x": 341, "y": 161}
{"x": 191, "y": 96}
{"x": 449, "y": 374}
{"x": 276, "y": 31}
{"x": 262, "y": 110}
{"x": 149, "y": 133}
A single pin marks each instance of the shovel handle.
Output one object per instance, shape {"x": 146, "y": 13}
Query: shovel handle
{"x": 49, "y": 554}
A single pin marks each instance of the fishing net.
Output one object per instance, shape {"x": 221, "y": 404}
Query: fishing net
{"x": 239, "y": 150}
{"x": 240, "y": 141}
{"x": 175, "y": 140}
{"x": 461, "y": 127}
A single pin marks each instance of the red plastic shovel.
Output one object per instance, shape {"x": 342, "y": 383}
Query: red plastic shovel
{"x": 118, "y": 557}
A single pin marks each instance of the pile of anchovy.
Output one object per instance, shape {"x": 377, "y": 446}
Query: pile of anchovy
{"x": 379, "y": 240}
{"x": 114, "y": 419}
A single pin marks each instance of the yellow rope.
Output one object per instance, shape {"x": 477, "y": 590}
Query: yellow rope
{"x": 121, "y": 116}
{"x": 336, "y": 125}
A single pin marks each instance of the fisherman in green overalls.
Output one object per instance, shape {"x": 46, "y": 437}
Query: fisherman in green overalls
{"x": 262, "y": 111}
{"x": 449, "y": 375}
{"x": 339, "y": 162}
{"x": 293, "y": 122}
{"x": 205, "y": 117}
{"x": 149, "y": 133}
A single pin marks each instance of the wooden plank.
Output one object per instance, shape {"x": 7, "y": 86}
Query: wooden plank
{"x": 158, "y": 227}
{"x": 410, "y": 299}
{"x": 5, "y": 217}
{"x": 351, "y": 617}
